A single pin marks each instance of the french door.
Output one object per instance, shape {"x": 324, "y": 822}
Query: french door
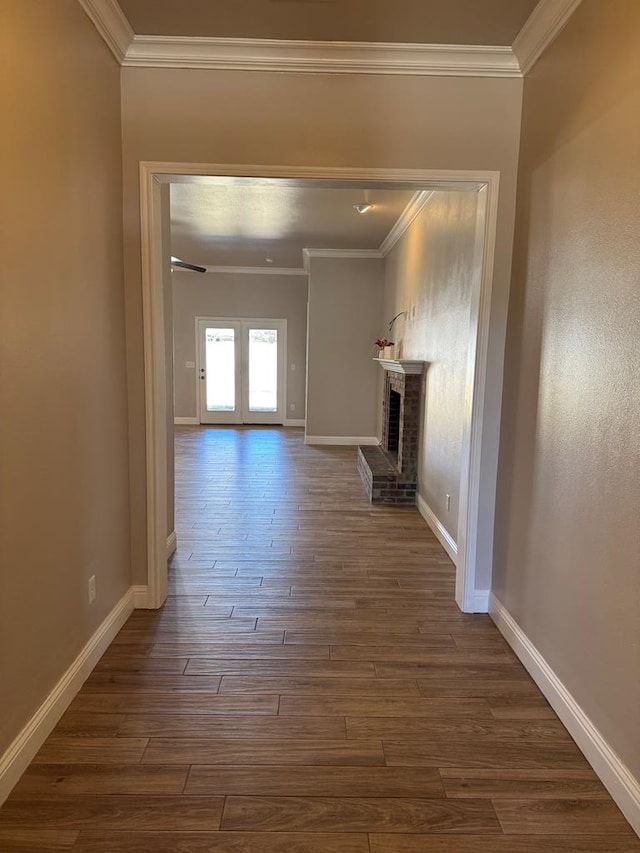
{"x": 241, "y": 370}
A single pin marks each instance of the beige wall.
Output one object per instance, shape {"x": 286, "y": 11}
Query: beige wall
{"x": 64, "y": 492}
{"x": 270, "y": 297}
{"x": 429, "y": 274}
{"x": 345, "y": 304}
{"x": 316, "y": 120}
{"x": 568, "y": 538}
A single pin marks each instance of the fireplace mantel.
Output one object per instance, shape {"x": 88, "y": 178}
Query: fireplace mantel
{"x": 401, "y": 365}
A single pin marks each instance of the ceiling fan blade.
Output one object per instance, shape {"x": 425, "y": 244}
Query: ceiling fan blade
{"x": 176, "y": 262}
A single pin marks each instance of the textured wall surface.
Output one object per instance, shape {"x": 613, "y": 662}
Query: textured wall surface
{"x": 429, "y": 274}
{"x": 567, "y": 535}
{"x": 345, "y": 302}
{"x": 64, "y": 486}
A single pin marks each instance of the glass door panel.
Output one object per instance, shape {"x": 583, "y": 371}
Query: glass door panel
{"x": 219, "y": 355}
{"x": 220, "y": 370}
{"x": 263, "y": 370}
{"x": 263, "y": 348}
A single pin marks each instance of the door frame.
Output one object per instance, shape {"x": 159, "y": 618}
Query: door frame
{"x": 282, "y": 367}
{"x": 478, "y": 476}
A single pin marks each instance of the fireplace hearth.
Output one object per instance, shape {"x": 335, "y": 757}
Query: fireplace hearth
{"x": 389, "y": 471}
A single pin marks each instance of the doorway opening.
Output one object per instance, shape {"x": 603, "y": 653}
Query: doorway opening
{"x": 479, "y": 446}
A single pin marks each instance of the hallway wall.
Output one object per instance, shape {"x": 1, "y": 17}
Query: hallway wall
{"x": 64, "y": 488}
{"x": 567, "y": 556}
{"x": 429, "y": 274}
{"x": 312, "y": 119}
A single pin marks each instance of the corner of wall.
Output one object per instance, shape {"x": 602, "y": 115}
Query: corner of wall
{"x": 614, "y": 774}
{"x": 20, "y": 753}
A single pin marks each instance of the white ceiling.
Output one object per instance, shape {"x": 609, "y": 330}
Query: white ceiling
{"x": 244, "y": 225}
{"x": 491, "y": 22}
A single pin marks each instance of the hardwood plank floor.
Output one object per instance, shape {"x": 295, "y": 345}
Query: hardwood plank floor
{"x": 113, "y": 812}
{"x": 315, "y": 781}
{"x": 37, "y": 840}
{"x": 222, "y": 842}
{"x": 284, "y": 751}
{"x": 355, "y": 814}
{"x": 309, "y": 687}
{"x": 563, "y": 843}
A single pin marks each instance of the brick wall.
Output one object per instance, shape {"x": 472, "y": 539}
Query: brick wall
{"x": 390, "y": 477}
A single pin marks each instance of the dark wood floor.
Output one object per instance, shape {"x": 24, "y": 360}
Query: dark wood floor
{"x": 309, "y": 687}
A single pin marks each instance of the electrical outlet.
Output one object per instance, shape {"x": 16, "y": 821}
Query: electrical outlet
{"x": 293, "y": 368}
{"x": 292, "y": 407}
{"x": 448, "y": 503}
{"x": 92, "y": 589}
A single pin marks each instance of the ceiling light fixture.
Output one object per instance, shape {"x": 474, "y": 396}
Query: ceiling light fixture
{"x": 364, "y": 207}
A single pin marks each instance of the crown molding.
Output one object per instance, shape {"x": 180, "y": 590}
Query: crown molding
{"x": 544, "y": 24}
{"x": 140, "y": 51}
{"x": 293, "y": 271}
{"x": 406, "y": 218}
{"x": 413, "y": 208}
{"x": 349, "y": 254}
{"x": 110, "y": 21}
{"x": 342, "y": 253}
{"x": 321, "y": 56}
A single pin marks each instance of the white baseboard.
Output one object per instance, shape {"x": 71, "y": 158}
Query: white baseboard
{"x": 20, "y": 753}
{"x": 614, "y": 774}
{"x": 480, "y": 596}
{"x": 140, "y": 597}
{"x": 186, "y": 421}
{"x": 172, "y": 544}
{"x": 294, "y": 422}
{"x": 442, "y": 534}
{"x": 346, "y": 440}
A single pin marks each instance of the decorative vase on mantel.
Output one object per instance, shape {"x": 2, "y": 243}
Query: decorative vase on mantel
{"x": 386, "y": 348}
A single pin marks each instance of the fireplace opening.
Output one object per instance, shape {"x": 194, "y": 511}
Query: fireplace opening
{"x": 393, "y": 425}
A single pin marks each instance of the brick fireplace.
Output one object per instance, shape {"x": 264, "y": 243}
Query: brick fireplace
{"x": 389, "y": 471}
